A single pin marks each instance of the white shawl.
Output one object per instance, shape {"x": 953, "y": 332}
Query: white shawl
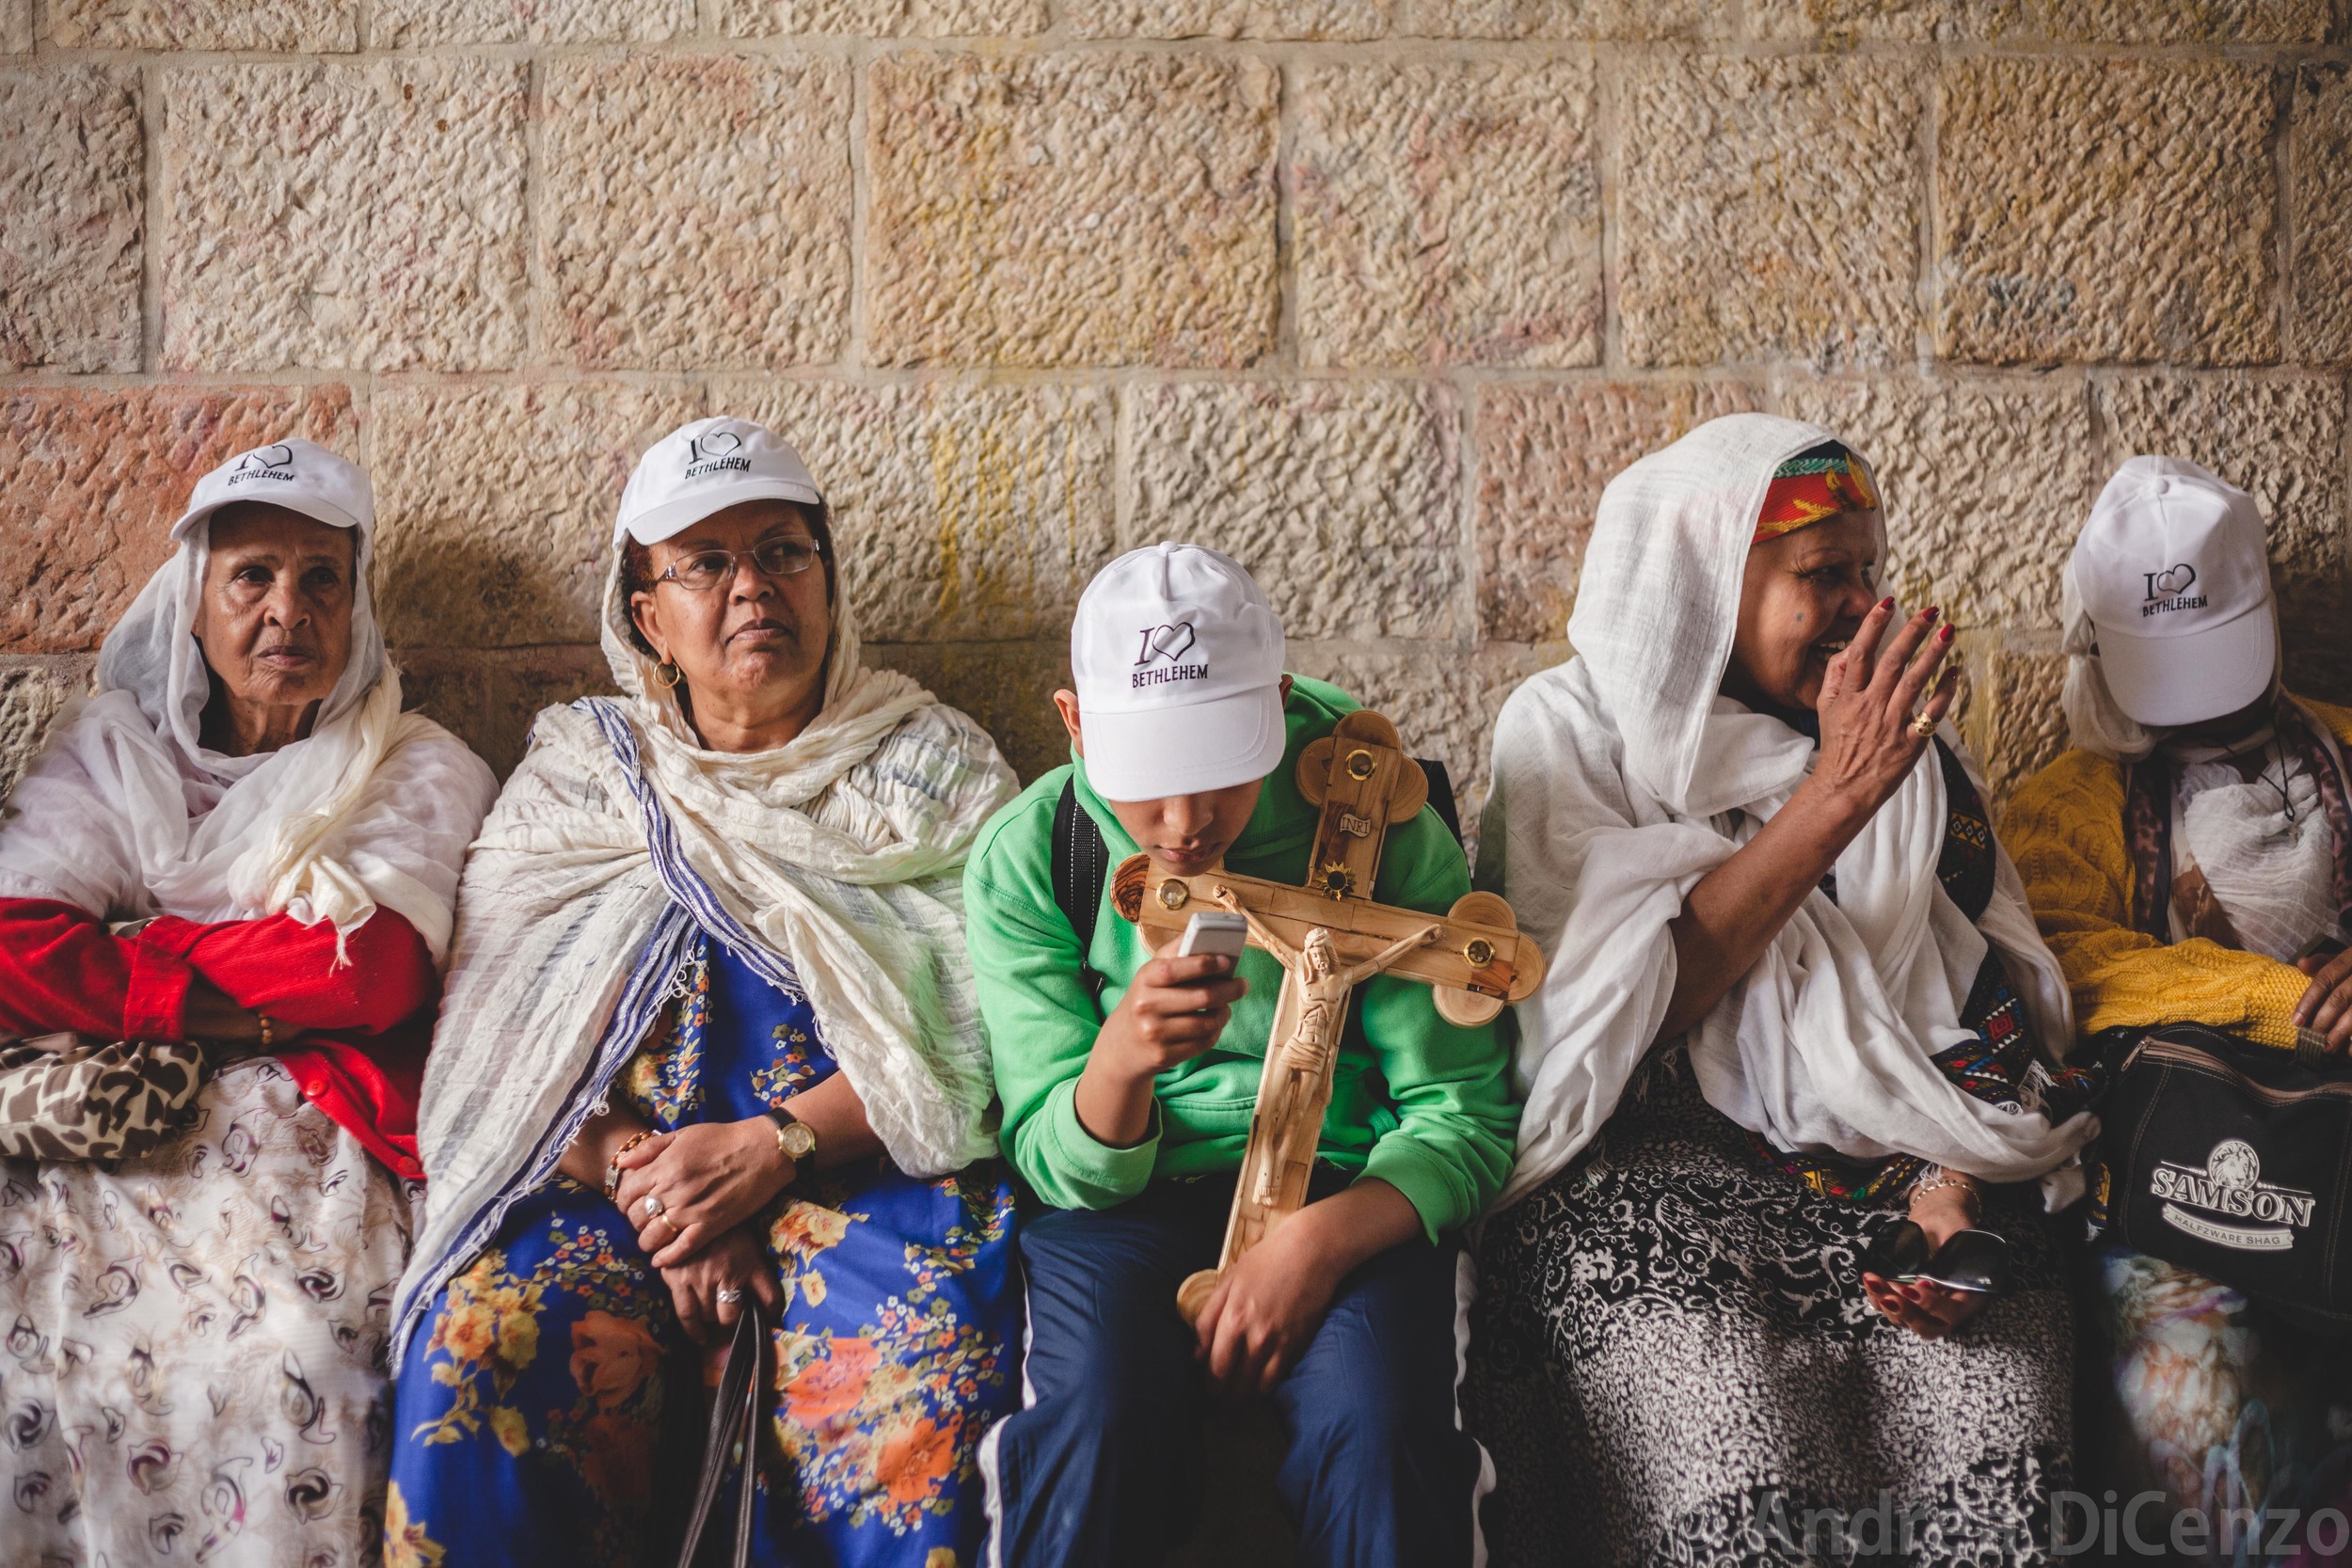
{"x": 126, "y": 814}
{"x": 832, "y": 864}
{"x": 1624, "y": 776}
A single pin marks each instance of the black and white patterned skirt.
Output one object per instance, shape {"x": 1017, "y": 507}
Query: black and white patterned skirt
{"x": 1672, "y": 1362}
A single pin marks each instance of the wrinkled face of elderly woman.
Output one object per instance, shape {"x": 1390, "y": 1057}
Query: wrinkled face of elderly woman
{"x": 741, "y": 603}
{"x": 1802, "y": 599}
{"x": 274, "y": 622}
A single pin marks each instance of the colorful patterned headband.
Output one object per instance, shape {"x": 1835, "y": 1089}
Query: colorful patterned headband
{"x": 1814, "y": 484}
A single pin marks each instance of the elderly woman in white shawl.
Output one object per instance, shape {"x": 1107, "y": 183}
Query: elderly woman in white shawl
{"x": 233, "y": 867}
{"x": 1786, "y": 1110}
{"x": 710, "y": 1032}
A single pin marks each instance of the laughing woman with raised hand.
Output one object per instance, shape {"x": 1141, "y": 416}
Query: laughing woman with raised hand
{"x": 240, "y": 845}
{"x": 710, "y": 1034}
{"x": 1771, "y": 1278}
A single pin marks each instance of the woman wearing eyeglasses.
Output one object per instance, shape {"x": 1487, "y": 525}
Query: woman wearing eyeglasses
{"x": 711, "y": 1036}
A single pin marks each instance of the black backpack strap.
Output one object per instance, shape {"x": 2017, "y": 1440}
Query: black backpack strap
{"x": 1082, "y": 865}
{"x": 1441, "y": 796}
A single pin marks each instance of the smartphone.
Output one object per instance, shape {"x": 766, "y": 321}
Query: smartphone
{"x": 1214, "y": 931}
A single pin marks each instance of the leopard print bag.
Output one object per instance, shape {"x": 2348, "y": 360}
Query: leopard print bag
{"x": 69, "y": 1097}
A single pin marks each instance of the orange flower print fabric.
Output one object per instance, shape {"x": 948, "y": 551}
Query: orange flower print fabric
{"x": 541, "y": 1402}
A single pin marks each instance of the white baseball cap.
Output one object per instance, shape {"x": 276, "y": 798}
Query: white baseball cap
{"x": 708, "y": 467}
{"x": 299, "y": 475}
{"x": 1178, "y": 660}
{"x": 2173, "y": 571}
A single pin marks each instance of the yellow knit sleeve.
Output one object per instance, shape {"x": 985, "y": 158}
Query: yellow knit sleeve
{"x": 2064, "y": 827}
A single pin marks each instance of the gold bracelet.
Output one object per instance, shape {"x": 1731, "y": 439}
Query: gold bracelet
{"x": 269, "y": 1035}
{"x": 1975, "y": 1199}
{"x": 613, "y": 1166}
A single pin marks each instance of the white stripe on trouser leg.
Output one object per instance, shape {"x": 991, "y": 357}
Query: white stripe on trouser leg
{"x": 992, "y": 1500}
{"x": 1465, "y": 1292}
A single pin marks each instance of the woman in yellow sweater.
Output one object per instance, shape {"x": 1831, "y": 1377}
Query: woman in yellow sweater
{"x": 2189, "y": 861}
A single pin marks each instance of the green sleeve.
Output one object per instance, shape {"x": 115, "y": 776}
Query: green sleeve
{"x": 1041, "y": 1022}
{"x": 1450, "y": 1148}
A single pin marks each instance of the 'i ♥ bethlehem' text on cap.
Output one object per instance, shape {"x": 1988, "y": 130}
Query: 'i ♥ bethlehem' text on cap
{"x": 1178, "y": 661}
{"x": 2174, "y": 574}
{"x": 708, "y": 467}
{"x": 299, "y": 475}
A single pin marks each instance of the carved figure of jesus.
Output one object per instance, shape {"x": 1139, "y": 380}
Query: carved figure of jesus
{"x": 1305, "y": 1057}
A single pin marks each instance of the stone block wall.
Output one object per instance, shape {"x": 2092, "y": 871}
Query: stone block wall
{"x": 1374, "y": 294}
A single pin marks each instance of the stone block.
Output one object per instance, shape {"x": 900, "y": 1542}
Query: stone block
{"x": 495, "y": 506}
{"x": 2106, "y": 210}
{"x": 1070, "y": 210}
{"x": 2280, "y": 439}
{"x": 1769, "y": 210}
{"x": 1342, "y": 499}
{"x": 422, "y": 23}
{"x": 1007, "y": 688}
{"x": 1631, "y": 20}
{"x": 32, "y": 693}
{"x": 961, "y": 513}
{"x": 1448, "y": 213}
{"x": 1545, "y": 453}
{"x": 1984, "y": 486}
{"x": 16, "y": 26}
{"x": 489, "y": 696}
{"x": 1444, "y": 708}
{"x": 91, "y": 480}
{"x": 2009, "y": 713}
{"x": 72, "y": 212}
{"x": 363, "y": 216}
{"x": 1312, "y": 19}
{"x": 2064, "y": 20}
{"x": 697, "y": 211}
{"x": 292, "y": 27}
{"x": 883, "y": 19}
{"x": 2320, "y": 198}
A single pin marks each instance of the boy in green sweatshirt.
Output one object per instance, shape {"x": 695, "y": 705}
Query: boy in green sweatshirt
{"x": 1128, "y": 1080}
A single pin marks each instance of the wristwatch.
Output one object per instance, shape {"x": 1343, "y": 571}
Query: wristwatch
{"x": 797, "y": 1139}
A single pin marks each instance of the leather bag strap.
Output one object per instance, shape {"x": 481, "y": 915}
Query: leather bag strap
{"x": 734, "y": 1417}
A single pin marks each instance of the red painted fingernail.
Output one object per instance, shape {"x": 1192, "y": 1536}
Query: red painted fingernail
{"x": 1887, "y": 603}
{"x": 1946, "y": 633}
{"x": 1933, "y": 611}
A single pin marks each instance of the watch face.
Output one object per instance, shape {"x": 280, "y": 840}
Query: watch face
{"x": 797, "y": 1140}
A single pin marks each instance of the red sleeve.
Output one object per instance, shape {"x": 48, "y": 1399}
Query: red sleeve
{"x": 372, "y": 1015}
{"x": 371, "y": 1093}
{"x": 288, "y": 970}
{"x": 60, "y": 967}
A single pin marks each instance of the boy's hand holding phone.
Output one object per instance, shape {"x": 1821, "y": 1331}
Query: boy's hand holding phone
{"x": 1174, "y": 1009}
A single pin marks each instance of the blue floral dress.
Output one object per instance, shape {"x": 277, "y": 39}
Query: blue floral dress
{"x": 549, "y": 1409}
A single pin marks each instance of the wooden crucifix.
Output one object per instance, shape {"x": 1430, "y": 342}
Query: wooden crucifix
{"x": 1329, "y": 935}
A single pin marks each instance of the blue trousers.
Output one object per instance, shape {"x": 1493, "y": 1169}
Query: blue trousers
{"x": 1103, "y": 1465}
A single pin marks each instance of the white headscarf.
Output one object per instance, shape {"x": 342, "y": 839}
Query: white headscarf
{"x": 127, "y": 814}
{"x": 832, "y": 865}
{"x": 1624, "y": 776}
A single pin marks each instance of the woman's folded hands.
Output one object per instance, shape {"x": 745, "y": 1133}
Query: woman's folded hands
{"x": 693, "y": 1194}
{"x": 683, "y": 1189}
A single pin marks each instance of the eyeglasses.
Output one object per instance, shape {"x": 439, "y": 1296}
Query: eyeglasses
{"x": 704, "y": 570}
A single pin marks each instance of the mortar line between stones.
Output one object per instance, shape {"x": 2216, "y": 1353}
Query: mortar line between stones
{"x": 537, "y": 296}
{"x": 2286, "y": 88}
{"x": 1928, "y": 281}
{"x": 1288, "y": 353}
{"x": 855, "y": 350}
{"x": 151, "y": 305}
{"x": 1608, "y": 189}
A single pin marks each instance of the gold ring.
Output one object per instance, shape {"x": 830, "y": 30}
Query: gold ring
{"x": 1923, "y": 726}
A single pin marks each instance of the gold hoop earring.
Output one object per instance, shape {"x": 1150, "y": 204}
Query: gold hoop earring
{"x": 668, "y": 674}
